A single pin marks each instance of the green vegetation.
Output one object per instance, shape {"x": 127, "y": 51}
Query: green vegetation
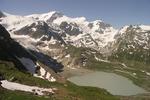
{"x": 9, "y": 72}
{"x": 66, "y": 91}
{"x": 99, "y": 65}
{"x": 75, "y": 52}
{"x": 17, "y": 95}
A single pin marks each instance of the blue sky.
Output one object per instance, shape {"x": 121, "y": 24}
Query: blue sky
{"x": 116, "y": 12}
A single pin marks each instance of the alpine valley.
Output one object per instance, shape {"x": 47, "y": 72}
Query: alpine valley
{"x": 39, "y": 52}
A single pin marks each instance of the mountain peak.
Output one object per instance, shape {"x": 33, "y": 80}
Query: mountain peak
{"x": 55, "y": 12}
{"x": 50, "y": 13}
{"x": 97, "y": 21}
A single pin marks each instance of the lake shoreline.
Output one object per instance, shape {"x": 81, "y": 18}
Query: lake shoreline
{"x": 108, "y": 81}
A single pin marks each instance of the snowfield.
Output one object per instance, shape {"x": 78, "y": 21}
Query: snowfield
{"x": 33, "y": 89}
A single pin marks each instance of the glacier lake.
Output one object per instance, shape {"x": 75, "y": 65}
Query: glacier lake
{"x": 113, "y": 83}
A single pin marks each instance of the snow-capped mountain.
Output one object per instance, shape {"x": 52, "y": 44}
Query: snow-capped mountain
{"x": 41, "y": 31}
{"x": 75, "y": 31}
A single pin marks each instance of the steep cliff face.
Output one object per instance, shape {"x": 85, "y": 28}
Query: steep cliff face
{"x": 10, "y": 49}
{"x": 27, "y": 60}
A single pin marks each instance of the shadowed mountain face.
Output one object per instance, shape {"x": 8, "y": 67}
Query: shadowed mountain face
{"x": 12, "y": 47}
{"x": 11, "y": 50}
{"x": 48, "y": 61}
{"x": 4, "y": 34}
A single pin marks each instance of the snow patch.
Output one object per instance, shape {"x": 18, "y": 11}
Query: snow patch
{"x": 67, "y": 56}
{"x": 34, "y": 29}
{"x": 33, "y": 89}
{"x": 98, "y": 59}
{"x": 52, "y": 79}
{"x": 42, "y": 71}
{"x": 45, "y": 75}
{"x": 147, "y": 73}
{"x": 123, "y": 29}
{"x": 71, "y": 67}
{"x": 134, "y": 73}
{"x": 124, "y": 65}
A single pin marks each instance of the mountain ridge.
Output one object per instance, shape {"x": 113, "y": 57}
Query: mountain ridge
{"x": 74, "y": 43}
{"x": 67, "y": 27}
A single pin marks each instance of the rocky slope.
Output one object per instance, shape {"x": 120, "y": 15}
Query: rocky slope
{"x": 134, "y": 43}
